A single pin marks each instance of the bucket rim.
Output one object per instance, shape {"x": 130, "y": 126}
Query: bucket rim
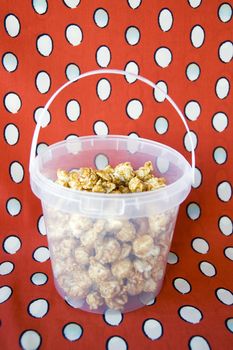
{"x": 53, "y": 187}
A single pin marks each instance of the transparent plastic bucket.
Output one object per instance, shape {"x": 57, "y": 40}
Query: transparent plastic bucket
{"x": 109, "y": 250}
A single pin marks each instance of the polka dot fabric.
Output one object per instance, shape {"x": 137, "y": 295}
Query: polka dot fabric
{"x": 187, "y": 49}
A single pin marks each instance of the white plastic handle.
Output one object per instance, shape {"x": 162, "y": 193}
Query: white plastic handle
{"x": 107, "y": 71}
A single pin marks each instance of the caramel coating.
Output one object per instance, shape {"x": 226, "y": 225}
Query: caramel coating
{"x": 127, "y": 232}
{"x": 94, "y": 300}
{"x": 135, "y": 283}
{"x": 107, "y": 250}
{"x": 143, "y": 246}
{"x": 81, "y": 256}
{"x": 109, "y": 289}
{"x": 122, "y": 268}
{"x": 98, "y": 272}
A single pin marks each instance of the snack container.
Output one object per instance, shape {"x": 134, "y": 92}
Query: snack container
{"x": 109, "y": 251}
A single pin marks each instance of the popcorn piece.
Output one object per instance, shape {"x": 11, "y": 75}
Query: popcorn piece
{"x": 158, "y": 223}
{"x": 76, "y": 284}
{"x": 62, "y": 175}
{"x": 136, "y": 185}
{"x": 78, "y": 224}
{"x": 143, "y": 172}
{"x": 87, "y": 177}
{"x": 124, "y": 172}
{"x": 124, "y": 189}
{"x": 150, "y": 285}
{"x": 98, "y": 187}
{"x": 106, "y": 174}
{"x": 98, "y": 272}
{"x": 81, "y": 256}
{"x": 143, "y": 246}
{"x": 135, "y": 283}
{"x": 88, "y": 238}
{"x": 122, "y": 268}
{"x": 126, "y": 249}
{"x": 113, "y": 225}
{"x": 111, "y": 288}
{"x": 127, "y": 233}
{"x": 142, "y": 226}
{"x": 94, "y": 300}
{"x": 155, "y": 182}
{"x": 118, "y": 302}
{"x": 142, "y": 266}
{"x": 63, "y": 249}
{"x": 74, "y": 182}
{"x": 107, "y": 250}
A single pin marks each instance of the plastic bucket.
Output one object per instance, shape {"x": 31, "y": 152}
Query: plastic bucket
{"x": 109, "y": 251}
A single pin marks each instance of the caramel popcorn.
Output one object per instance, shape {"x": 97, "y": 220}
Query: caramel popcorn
{"x": 81, "y": 256}
{"x": 143, "y": 246}
{"x": 107, "y": 250}
{"x": 126, "y": 249}
{"x": 122, "y": 268}
{"x": 111, "y": 288}
{"x": 94, "y": 300}
{"x": 135, "y": 283}
{"x": 118, "y": 302}
{"x": 127, "y": 232}
{"x": 121, "y": 179}
{"x": 98, "y": 272}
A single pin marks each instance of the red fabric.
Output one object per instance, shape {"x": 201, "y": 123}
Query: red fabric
{"x": 212, "y": 296}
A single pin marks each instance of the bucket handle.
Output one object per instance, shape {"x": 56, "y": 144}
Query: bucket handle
{"x": 107, "y": 71}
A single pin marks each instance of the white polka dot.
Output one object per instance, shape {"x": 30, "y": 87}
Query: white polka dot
{"x": 225, "y": 296}
{"x": 172, "y": 258}
{"x": 41, "y": 226}
{"x": 10, "y": 62}
{"x": 165, "y": 19}
{"x": 116, "y": 343}
{"x": 44, "y": 45}
{"x": 134, "y": 3}
{"x": 72, "y": 71}
{"x": 193, "y": 71}
{"x": 229, "y": 324}
{"x": 163, "y": 57}
{"x": 101, "y": 161}
{"x": 43, "y": 82}
{"x": 162, "y": 164}
{"x": 12, "y": 102}
{"x": 40, "y": 6}
{"x": 41, "y": 148}
{"x": 187, "y": 141}
{"x": 182, "y": 285}
{"x": 103, "y": 89}
{"x": 192, "y": 110}
{"x": 160, "y": 95}
{"x": 72, "y": 331}
{"x": 226, "y": 51}
{"x": 73, "y": 110}
{"x": 153, "y": 329}
{"x": 161, "y": 125}
{"x": 132, "y": 144}
{"x": 13, "y": 206}
{"x": 101, "y": 18}
{"x": 198, "y": 343}
{"x": 200, "y": 245}
{"x": 12, "y": 25}
{"x": 207, "y": 269}
{"x": 220, "y": 121}
{"x": 74, "y": 302}
{"x": 193, "y": 211}
{"x": 197, "y": 36}
{"x": 6, "y": 267}
{"x": 194, "y": 3}
{"x": 41, "y": 254}
{"x": 229, "y": 253}
{"x": 197, "y": 178}
{"x": 147, "y": 298}
{"x": 132, "y": 35}
{"x": 39, "y": 278}
{"x": 134, "y": 109}
{"x": 38, "y": 308}
{"x": 30, "y": 340}
{"x": 74, "y": 34}
{"x": 222, "y": 88}
{"x": 224, "y": 191}
{"x": 5, "y": 293}
{"x": 11, "y": 134}
{"x": 190, "y": 314}
{"x": 16, "y": 172}
{"x": 220, "y": 155}
{"x": 46, "y": 118}
{"x": 103, "y": 56}
{"x": 225, "y": 12}
{"x": 226, "y": 225}
{"x": 12, "y": 244}
{"x": 131, "y": 67}
{"x": 72, "y": 3}
{"x": 113, "y": 317}
{"x": 100, "y": 128}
